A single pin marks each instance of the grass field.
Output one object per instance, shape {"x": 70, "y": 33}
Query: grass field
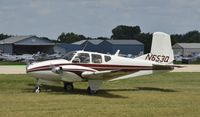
{"x": 11, "y": 63}
{"x": 163, "y": 95}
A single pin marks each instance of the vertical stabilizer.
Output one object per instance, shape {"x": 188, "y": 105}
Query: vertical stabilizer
{"x": 161, "y": 46}
{"x": 161, "y": 49}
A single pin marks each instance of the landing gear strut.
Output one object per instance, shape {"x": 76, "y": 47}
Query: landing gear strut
{"x": 68, "y": 86}
{"x": 37, "y": 88}
{"x": 93, "y": 86}
{"x": 90, "y": 91}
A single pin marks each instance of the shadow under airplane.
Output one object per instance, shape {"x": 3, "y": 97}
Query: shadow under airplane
{"x": 106, "y": 93}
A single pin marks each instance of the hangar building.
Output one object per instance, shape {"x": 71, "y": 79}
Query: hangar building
{"x": 186, "y": 49}
{"x": 33, "y": 44}
{"x": 63, "y": 48}
{"x": 126, "y": 47}
{"x": 89, "y": 45}
{"x": 26, "y": 45}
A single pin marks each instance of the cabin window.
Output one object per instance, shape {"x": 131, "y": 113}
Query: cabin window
{"x": 107, "y": 58}
{"x": 96, "y": 58}
{"x": 82, "y": 58}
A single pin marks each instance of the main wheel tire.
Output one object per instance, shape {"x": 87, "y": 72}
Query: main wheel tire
{"x": 68, "y": 86}
{"x": 91, "y": 91}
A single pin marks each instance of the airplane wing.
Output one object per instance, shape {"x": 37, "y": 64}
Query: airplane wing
{"x": 95, "y": 73}
{"x": 86, "y": 72}
{"x": 106, "y": 74}
{"x": 132, "y": 75}
{"x": 78, "y": 73}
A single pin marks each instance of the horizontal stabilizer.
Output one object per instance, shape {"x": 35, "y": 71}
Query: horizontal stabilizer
{"x": 164, "y": 67}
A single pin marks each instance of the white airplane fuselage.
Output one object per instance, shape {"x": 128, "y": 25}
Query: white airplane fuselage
{"x": 46, "y": 70}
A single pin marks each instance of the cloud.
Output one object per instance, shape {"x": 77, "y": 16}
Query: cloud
{"x": 41, "y": 7}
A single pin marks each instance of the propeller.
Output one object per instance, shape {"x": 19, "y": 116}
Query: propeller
{"x": 57, "y": 70}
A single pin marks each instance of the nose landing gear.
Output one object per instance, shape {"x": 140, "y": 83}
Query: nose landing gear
{"x": 37, "y": 88}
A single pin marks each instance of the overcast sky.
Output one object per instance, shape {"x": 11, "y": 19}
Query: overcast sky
{"x": 94, "y": 18}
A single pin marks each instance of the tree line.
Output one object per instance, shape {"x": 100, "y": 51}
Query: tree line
{"x": 127, "y": 32}
{"x": 134, "y": 32}
{"x": 4, "y": 36}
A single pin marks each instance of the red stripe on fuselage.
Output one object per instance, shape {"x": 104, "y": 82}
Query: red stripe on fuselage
{"x": 98, "y": 67}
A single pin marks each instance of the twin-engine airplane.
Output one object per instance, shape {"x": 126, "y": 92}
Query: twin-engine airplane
{"x": 95, "y": 67}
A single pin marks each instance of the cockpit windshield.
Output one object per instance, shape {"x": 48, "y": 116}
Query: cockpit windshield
{"x": 69, "y": 55}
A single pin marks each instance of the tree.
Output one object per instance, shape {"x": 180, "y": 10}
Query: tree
{"x": 103, "y": 38}
{"x": 176, "y": 38}
{"x": 133, "y": 32}
{"x": 125, "y": 32}
{"x": 146, "y": 39}
{"x": 70, "y": 37}
{"x": 192, "y": 37}
{"x": 189, "y": 37}
{"x": 61, "y": 38}
{"x": 4, "y": 36}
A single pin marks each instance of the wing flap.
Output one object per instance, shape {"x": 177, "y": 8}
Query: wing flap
{"x": 136, "y": 74}
{"x": 96, "y": 73}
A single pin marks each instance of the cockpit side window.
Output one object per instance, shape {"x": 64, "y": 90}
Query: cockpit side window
{"x": 82, "y": 58}
{"x": 69, "y": 55}
{"x": 96, "y": 58}
{"x": 107, "y": 58}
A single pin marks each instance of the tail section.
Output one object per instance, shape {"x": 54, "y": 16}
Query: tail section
{"x": 161, "y": 49}
{"x": 161, "y": 46}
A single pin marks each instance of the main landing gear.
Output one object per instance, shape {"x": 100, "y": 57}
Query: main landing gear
{"x": 90, "y": 91}
{"x": 93, "y": 86}
{"x": 68, "y": 86}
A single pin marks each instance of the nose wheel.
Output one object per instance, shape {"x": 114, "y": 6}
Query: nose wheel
{"x": 37, "y": 89}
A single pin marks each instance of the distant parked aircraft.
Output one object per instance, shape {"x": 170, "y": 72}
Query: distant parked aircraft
{"x": 93, "y": 67}
{"x": 29, "y": 58}
{"x": 8, "y": 57}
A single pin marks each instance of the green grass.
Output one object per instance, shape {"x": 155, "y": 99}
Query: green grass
{"x": 162, "y": 95}
{"x": 11, "y": 63}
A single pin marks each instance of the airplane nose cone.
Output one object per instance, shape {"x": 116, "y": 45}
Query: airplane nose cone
{"x": 27, "y": 70}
